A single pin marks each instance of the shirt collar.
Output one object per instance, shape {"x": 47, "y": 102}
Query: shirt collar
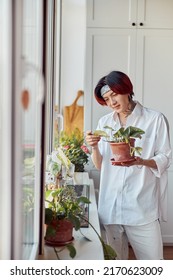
{"x": 137, "y": 112}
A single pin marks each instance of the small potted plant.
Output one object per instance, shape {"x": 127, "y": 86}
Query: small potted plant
{"x": 59, "y": 166}
{"x": 122, "y": 142}
{"x": 64, "y": 212}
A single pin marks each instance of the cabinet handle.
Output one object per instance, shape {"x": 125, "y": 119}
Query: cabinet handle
{"x": 141, "y": 24}
{"x": 133, "y": 23}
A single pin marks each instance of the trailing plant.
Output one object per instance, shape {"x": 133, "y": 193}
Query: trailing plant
{"x": 63, "y": 203}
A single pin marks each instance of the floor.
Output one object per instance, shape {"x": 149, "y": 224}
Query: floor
{"x": 168, "y": 254}
{"x": 167, "y": 251}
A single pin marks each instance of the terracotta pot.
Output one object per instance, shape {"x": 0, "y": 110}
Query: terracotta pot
{"x": 121, "y": 151}
{"x": 63, "y": 234}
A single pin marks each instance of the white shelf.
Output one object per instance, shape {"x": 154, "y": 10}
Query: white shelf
{"x": 86, "y": 250}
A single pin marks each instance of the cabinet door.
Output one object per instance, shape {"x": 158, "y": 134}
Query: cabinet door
{"x": 107, "y": 50}
{"x": 130, "y": 14}
{"x": 154, "y": 89}
{"x": 154, "y": 66}
{"x": 111, "y": 13}
{"x": 155, "y": 14}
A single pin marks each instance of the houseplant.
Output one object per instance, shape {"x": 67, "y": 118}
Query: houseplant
{"x": 63, "y": 204}
{"x": 59, "y": 165}
{"x": 63, "y": 209}
{"x": 122, "y": 142}
{"x": 75, "y": 149}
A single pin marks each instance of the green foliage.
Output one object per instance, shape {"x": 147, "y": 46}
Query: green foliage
{"x": 75, "y": 148}
{"x": 108, "y": 251}
{"x": 64, "y": 203}
{"x": 123, "y": 135}
{"x": 72, "y": 250}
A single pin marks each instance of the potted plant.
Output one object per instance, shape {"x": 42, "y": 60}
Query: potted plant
{"x": 62, "y": 212}
{"x": 65, "y": 210}
{"x": 59, "y": 166}
{"x": 122, "y": 142}
{"x": 75, "y": 149}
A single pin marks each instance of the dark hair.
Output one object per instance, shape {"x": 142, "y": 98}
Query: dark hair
{"x": 118, "y": 82}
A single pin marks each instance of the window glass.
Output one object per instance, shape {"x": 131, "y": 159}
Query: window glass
{"x": 5, "y": 128}
{"x": 31, "y": 99}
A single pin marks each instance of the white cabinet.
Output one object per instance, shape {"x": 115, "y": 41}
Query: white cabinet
{"x": 107, "y": 49}
{"x": 145, "y": 55}
{"x": 130, "y": 13}
{"x": 111, "y": 13}
{"x": 143, "y": 52}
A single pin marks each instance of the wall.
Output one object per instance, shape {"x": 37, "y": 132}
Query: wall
{"x": 72, "y": 50}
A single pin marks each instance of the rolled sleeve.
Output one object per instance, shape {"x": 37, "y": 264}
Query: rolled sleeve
{"x": 163, "y": 162}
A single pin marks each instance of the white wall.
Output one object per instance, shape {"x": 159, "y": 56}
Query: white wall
{"x": 72, "y": 50}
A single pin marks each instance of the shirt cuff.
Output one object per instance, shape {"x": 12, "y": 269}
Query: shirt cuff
{"x": 162, "y": 163}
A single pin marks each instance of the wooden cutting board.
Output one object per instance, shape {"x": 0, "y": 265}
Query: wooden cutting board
{"x": 74, "y": 115}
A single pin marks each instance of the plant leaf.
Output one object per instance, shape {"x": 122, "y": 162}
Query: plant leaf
{"x": 72, "y": 250}
{"x": 108, "y": 127}
{"x": 47, "y": 193}
{"x": 88, "y": 239}
{"x": 48, "y": 216}
{"x": 109, "y": 253}
{"x": 75, "y": 221}
{"x": 100, "y": 133}
{"x": 64, "y": 159}
{"x": 138, "y": 150}
{"x": 50, "y": 231}
{"x": 135, "y": 132}
{"x": 83, "y": 199}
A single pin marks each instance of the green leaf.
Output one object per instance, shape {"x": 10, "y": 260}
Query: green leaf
{"x": 75, "y": 221}
{"x": 72, "y": 250}
{"x": 138, "y": 150}
{"x": 119, "y": 133}
{"x": 109, "y": 253}
{"x": 50, "y": 231}
{"x": 48, "y": 216}
{"x": 64, "y": 159}
{"x": 88, "y": 239}
{"x": 100, "y": 133}
{"x": 83, "y": 199}
{"x": 108, "y": 127}
{"x": 47, "y": 193}
{"x": 135, "y": 132}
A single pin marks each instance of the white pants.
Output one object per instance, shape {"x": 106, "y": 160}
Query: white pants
{"x": 146, "y": 240}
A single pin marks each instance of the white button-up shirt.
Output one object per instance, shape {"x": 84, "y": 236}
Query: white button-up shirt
{"x": 135, "y": 195}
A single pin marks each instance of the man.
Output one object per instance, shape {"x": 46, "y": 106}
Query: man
{"x": 132, "y": 195}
